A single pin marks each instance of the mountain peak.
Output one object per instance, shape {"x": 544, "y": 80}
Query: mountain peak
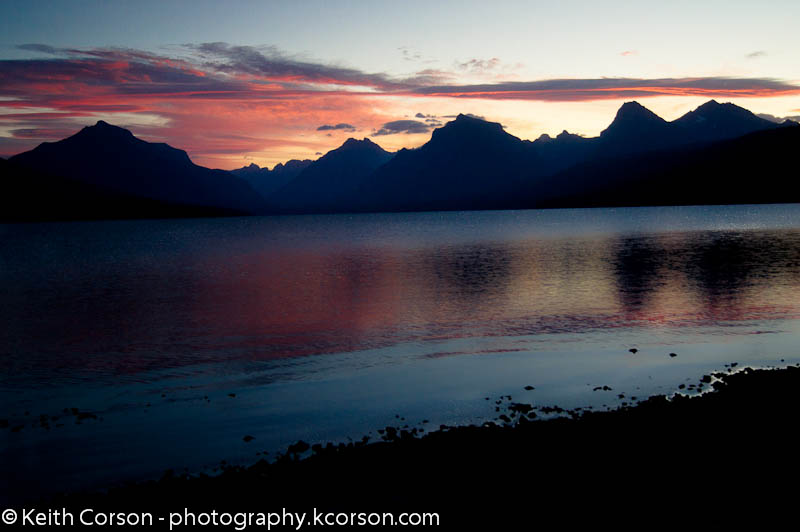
{"x": 351, "y": 148}
{"x": 112, "y": 158}
{"x": 712, "y": 107}
{"x": 466, "y": 127}
{"x": 472, "y": 121}
{"x": 355, "y": 142}
{"x": 632, "y": 121}
{"x": 250, "y": 169}
{"x": 636, "y": 111}
{"x": 108, "y": 137}
{"x": 106, "y": 130}
{"x": 103, "y": 125}
{"x": 468, "y": 118}
{"x": 632, "y": 105}
{"x": 714, "y": 121}
{"x": 362, "y": 145}
{"x": 566, "y": 135}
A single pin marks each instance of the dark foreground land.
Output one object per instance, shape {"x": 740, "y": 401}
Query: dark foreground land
{"x": 727, "y": 456}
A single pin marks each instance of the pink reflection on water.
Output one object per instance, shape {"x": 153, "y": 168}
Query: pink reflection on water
{"x": 261, "y": 303}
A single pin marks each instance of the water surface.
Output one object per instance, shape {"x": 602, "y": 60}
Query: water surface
{"x": 329, "y": 327}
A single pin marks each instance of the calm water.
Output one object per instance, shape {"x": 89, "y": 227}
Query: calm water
{"x": 328, "y": 327}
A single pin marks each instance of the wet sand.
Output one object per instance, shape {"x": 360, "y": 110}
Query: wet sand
{"x": 726, "y": 455}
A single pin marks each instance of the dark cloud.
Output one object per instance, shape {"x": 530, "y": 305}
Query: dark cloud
{"x": 127, "y": 73}
{"x": 771, "y": 118}
{"x": 756, "y": 54}
{"x": 402, "y": 126}
{"x": 486, "y": 67}
{"x": 41, "y": 133}
{"x": 111, "y": 54}
{"x": 410, "y": 55}
{"x": 43, "y": 48}
{"x": 479, "y": 117}
{"x": 415, "y": 56}
{"x": 429, "y": 76}
{"x": 778, "y": 119}
{"x": 269, "y": 62}
{"x": 615, "y": 88}
{"x": 430, "y": 120}
{"x": 221, "y": 71}
{"x": 345, "y": 127}
{"x": 479, "y": 65}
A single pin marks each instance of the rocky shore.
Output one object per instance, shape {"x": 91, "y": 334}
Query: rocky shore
{"x": 729, "y": 452}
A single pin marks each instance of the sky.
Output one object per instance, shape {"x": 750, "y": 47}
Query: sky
{"x": 242, "y": 82}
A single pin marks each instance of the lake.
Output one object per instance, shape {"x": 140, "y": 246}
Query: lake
{"x": 175, "y": 339}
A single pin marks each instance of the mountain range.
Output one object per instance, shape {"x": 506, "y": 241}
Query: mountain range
{"x": 332, "y": 183}
{"x": 104, "y": 171}
{"x": 717, "y": 153}
{"x": 266, "y": 181}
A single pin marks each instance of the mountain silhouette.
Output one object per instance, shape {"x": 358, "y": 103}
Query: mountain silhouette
{"x": 113, "y": 160}
{"x": 561, "y": 152}
{"x": 473, "y": 164}
{"x": 29, "y": 195}
{"x": 266, "y": 181}
{"x": 754, "y": 168}
{"x": 715, "y": 121}
{"x": 717, "y": 153}
{"x": 469, "y": 163}
{"x": 635, "y": 129}
{"x": 331, "y": 183}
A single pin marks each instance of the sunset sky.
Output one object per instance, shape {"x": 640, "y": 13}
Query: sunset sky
{"x": 240, "y": 82}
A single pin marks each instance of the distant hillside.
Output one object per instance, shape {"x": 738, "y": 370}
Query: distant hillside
{"x": 265, "y": 181}
{"x": 468, "y": 164}
{"x": 112, "y": 160}
{"x": 715, "y": 121}
{"x": 636, "y": 129}
{"x": 331, "y": 183}
{"x": 474, "y": 164}
{"x": 28, "y": 195}
{"x": 755, "y": 168}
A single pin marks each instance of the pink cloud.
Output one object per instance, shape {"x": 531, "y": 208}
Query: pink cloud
{"x": 221, "y": 102}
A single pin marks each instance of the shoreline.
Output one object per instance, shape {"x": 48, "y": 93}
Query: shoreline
{"x": 637, "y": 458}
